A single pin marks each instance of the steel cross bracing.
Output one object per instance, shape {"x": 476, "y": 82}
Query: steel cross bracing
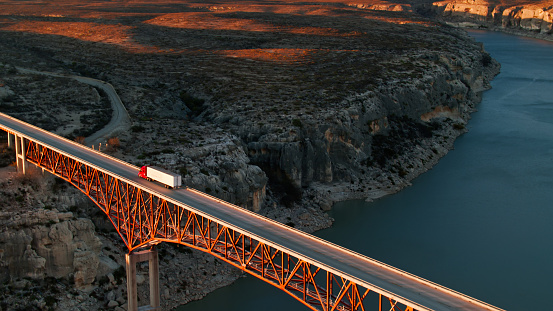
{"x": 143, "y": 219}
{"x": 321, "y": 275}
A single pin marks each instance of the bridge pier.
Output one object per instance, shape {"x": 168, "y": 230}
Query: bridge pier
{"x": 10, "y": 139}
{"x": 20, "y": 158}
{"x": 132, "y": 294}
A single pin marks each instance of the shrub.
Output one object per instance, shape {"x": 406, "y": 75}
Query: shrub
{"x": 113, "y": 144}
{"x": 402, "y": 172}
{"x": 119, "y": 273}
{"x": 486, "y": 59}
{"x": 103, "y": 280}
{"x": 459, "y": 126}
{"x": 50, "y": 300}
{"x": 183, "y": 171}
{"x": 137, "y": 128}
{"x": 79, "y": 140}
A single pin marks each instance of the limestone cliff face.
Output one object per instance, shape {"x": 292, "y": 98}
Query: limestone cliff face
{"x": 42, "y": 243}
{"x": 340, "y": 146}
{"x": 477, "y": 10}
{"x": 383, "y": 6}
{"x": 531, "y": 17}
{"x": 536, "y": 18}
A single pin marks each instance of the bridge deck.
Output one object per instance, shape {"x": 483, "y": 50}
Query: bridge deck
{"x": 379, "y": 277}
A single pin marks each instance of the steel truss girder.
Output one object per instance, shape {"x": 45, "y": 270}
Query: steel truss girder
{"x": 143, "y": 219}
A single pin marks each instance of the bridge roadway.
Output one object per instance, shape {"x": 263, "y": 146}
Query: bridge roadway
{"x": 366, "y": 272}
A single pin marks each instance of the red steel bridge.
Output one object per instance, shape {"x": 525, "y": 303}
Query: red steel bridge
{"x": 319, "y": 274}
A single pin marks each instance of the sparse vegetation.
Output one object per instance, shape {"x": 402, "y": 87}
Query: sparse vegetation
{"x": 458, "y": 126}
{"x": 80, "y": 139}
{"x": 183, "y": 170}
{"x": 7, "y": 155}
{"x": 113, "y": 143}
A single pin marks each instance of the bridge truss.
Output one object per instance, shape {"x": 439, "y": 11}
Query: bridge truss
{"x": 144, "y": 219}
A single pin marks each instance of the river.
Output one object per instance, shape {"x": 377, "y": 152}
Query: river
{"x": 481, "y": 221}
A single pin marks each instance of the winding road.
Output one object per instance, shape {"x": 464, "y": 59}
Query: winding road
{"x": 120, "y": 120}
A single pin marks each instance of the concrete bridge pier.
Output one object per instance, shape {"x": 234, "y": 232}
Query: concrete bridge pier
{"x": 20, "y": 158}
{"x": 10, "y": 140}
{"x": 132, "y": 294}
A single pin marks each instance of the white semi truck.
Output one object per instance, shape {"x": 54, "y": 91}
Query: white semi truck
{"x": 167, "y": 178}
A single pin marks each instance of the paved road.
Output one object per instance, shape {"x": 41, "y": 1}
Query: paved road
{"x": 120, "y": 120}
{"x": 379, "y": 277}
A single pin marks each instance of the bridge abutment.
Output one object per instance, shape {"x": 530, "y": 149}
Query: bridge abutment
{"x": 132, "y": 293}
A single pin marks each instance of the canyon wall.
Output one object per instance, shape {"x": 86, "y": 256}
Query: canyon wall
{"x": 535, "y": 19}
{"x": 42, "y": 243}
{"x": 377, "y": 133}
{"x": 38, "y": 241}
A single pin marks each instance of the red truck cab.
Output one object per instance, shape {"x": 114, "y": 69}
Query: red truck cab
{"x": 142, "y": 172}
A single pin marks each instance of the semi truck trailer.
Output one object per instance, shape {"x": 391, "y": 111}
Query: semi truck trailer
{"x": 167, "y": 178}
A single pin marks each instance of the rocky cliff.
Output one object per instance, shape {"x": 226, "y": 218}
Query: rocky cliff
{"x": 37, "y": 241}
{"x": 50, "y": 244}
{"x": 532, "y": 18}
{"x": 375, "y": 133}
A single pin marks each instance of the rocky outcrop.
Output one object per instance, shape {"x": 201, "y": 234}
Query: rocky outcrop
{"x": 225, "y": 171}
{"x": 476, "y": 10}
{"x": 41, "y": 243}
{"x": 536, "y": 19}
{"x": 529, "y": 17}
{"x": 216, "y": 165}
{"x": 383, "y": 6}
